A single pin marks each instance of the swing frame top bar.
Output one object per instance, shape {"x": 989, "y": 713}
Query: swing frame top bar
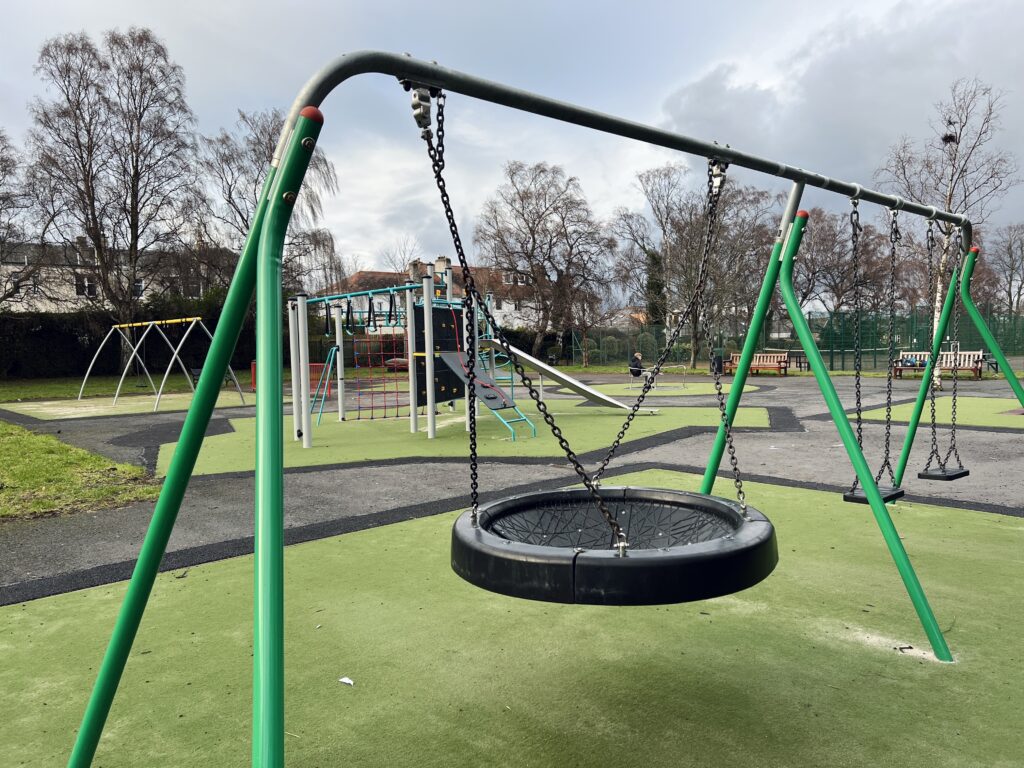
{"x": 393, "y": 290}
{"x": 431, "y": 74}
{"x": 176, "y": 321}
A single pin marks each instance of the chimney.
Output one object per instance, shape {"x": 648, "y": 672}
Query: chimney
{"x": 441, "y": 264}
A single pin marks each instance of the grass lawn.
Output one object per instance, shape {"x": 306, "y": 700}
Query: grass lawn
{"x": 104, "y": 406}
{"x": 798, "y": 671}
{"x": 15, "y": 390}
{"x": 334, "y": 442}
{"x": 972, "y": 411}
{"x": 40, "y": 475}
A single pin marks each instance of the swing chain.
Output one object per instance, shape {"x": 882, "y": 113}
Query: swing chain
{"x": 474, "y": 484}
{"x": 858, "y": 358}
{"x": 957, "y": 265}
{"x": 716, "y": 181}
{"x": 933, "y": 294}
{"x": 895, "y": 238}
{"x": 436, "y": 153}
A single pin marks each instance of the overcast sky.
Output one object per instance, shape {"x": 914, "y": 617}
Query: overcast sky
{"x": 826, "y": 86}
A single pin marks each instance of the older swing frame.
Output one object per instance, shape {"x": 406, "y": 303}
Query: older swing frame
{"x": 259, "y": 270}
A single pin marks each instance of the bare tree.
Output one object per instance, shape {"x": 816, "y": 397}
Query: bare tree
{"x": 1005, "y": 257}
{"x": 648, "y": 251}
{"x": 958, "y": 167}
{"x": 825, "y": 270}
{"x": 113, "y": 149}
{"x": 14, "y": 282}
{"x": 540, "y": 229}
{"x": 397, "y": 256}
{"x": 234, "y": 166}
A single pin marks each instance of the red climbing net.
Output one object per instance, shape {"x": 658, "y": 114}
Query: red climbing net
{"x": 381, "y": 380}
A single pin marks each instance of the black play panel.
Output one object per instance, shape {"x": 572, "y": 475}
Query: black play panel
{"x": 447, "y": 338}
{"x": 943, "y": 473}
{"x": 447, "y": 329}
{"x": 889, "y": 493}
{"x": 447, "y": 384}
{"x": 556, "y": 546}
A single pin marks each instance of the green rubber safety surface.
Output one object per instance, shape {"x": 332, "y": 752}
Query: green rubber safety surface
{"x": 334, "y": 442}
{"x": 126, "y": 405}
{"x": 670, "y": 388}
{"x": 970, "y": 411}
{"x": 800, "y": 670}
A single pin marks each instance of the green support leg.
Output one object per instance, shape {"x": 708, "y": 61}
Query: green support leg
{"x": 986, "y": 334}
{"x": 764, "y": 300}
{"x": 922, "y": 392}
{"x": 236, "y": 304}
{"x": 268, "y": 633}
{"x": 860, "y": 466}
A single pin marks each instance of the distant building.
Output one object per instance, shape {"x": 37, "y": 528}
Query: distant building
{"x": 63, "y": 277}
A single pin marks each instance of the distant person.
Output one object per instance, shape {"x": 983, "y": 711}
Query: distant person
{"x": 636, "y": 365}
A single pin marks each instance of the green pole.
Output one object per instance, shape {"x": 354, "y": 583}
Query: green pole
{"x": 986, "y": 334}
{"x": 764, "y": 300}
{"x": 860, "y": 466}
{"x": 268, "y": 632}
{"x": 922, "y": 392}
{"x": 167, "y": 506}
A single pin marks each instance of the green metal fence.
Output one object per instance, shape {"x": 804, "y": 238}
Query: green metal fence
{"x": 835, "y": 336}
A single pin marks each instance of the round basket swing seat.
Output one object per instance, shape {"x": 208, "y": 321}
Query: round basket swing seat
{"x": 556, "y": 546}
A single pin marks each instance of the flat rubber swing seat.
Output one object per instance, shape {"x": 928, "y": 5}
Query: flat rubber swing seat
{"x": 943, "y": 473}
{"x": 556, "y": 546}
{"x": 889, "y": 493}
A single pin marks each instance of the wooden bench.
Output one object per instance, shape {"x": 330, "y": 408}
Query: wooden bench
{"x": 962, "y": 361}
{"x": 763, "y": 361}
{"x": 910, "y": 361}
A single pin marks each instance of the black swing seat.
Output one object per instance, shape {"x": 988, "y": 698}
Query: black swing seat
{"x": 943, "y": 473}
{"x": 556, "y": 546}
{"x": 889, "y": 493}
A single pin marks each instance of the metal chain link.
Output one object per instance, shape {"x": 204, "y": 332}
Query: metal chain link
{"x": 716, "y": 181}
{"x": 436, "y": 154}
{"x": 895, "y": 237}
{"x": 469, "y": 313}
{"x": 855, "y": 230}
{"x": 933, "y": 293}
{"x": 957, "y": 263}
{"x": 704, "y": 306}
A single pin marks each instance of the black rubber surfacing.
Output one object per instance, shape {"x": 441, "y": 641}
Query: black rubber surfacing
{"x": 556, "y": 546}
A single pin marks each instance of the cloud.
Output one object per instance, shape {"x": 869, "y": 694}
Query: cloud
{"x": 838, "y": 103}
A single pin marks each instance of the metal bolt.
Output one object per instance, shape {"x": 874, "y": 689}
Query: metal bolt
{"x": 289, "y": 197}
{"x": 308, "y": 143}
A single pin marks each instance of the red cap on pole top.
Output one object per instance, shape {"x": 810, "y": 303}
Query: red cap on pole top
{"x": 975, "y": 249}
{"x": 803, "y": 215}
{"x": 312, "y": 113}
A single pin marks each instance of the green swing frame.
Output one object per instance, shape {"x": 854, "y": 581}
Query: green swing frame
{"x": 259, "y": 271}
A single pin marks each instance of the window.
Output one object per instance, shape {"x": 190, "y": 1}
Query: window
{"x": 16, "y": 286}
{"x": 497, "y": 303}
{"x": 85, "y": 285}
{"x": 518, "y": 305}
{"x": 507, "y": 277}
{"x": 137, "y": 288}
